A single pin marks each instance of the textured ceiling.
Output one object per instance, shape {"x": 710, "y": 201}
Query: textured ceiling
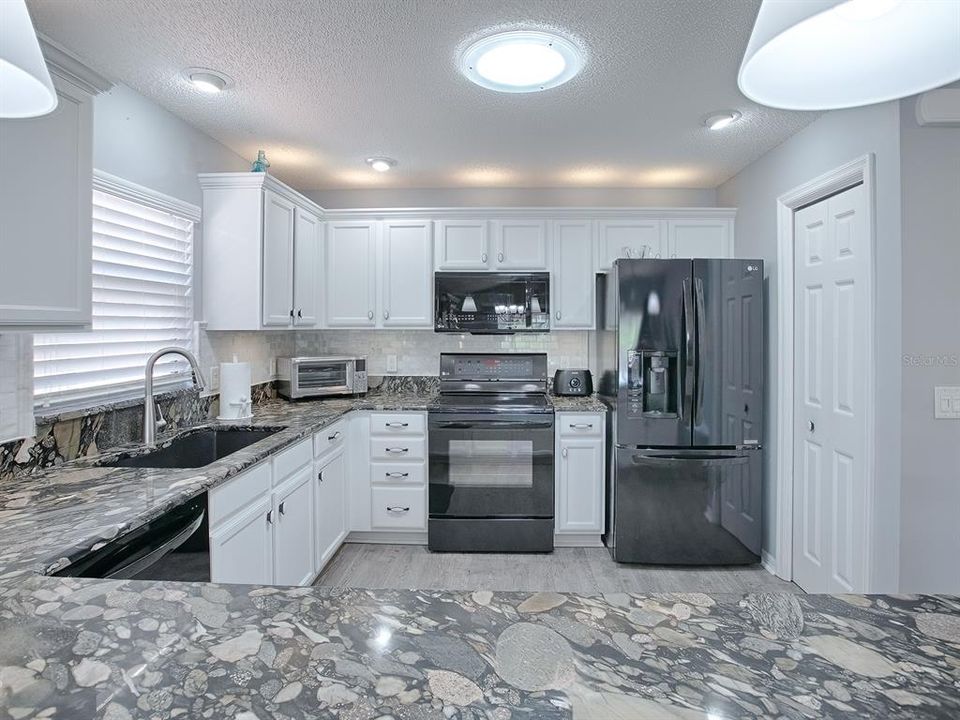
{"x": 323, "y": 84}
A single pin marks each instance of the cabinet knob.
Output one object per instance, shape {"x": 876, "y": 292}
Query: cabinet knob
{"x": 299, "y": 313}
{"x": 500, "y": 257}
{"x": 281, "y": 509}
{"x": 483, "y": 257}
{"x": 334, "y": 437}
{"x": 386, "y": 314}
{"x": 269, "y": 517}
{"x": 370, "y": 315}
{"x": 564, "y": 452}
{"x": 812, "y": 426}
{"x": 320, "y": 476}
{"x": 558, "y": 314}
{"x": 291, "y": 312}
{"x": 397, "y": 508}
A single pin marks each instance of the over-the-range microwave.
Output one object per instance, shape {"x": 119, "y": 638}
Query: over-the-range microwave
{"x": 305, "y": 377}
{"x": 485, "y": 303}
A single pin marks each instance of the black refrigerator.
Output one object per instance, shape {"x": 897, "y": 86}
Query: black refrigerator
{"x": 680, "y": 356}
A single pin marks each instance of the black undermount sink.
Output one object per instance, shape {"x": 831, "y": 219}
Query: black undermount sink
{"x": 195, "y": 449}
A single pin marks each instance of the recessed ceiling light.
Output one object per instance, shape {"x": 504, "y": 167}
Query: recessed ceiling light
{"x": 521, "y": 61}
{"x": 381, "y": 164}
{"x": 208, "y": 81}
{"x": 720, "y": 120}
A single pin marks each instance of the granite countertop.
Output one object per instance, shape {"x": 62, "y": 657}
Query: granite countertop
{"x": 76, "y": 649}
{"x": 52, "y": 517}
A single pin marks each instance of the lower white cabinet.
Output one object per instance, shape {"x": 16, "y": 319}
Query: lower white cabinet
{"x": 397, "y": 457}
{"x": 330, "y": 500}
{"x": 293, "y": 522}
{"x": 580, "y": 476}
{"x": 241, "y": 548}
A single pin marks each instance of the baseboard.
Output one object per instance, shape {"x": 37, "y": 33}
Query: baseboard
{"x": 387, "y": 538}
{"x": 567, "y": 540}
{"x": 769, "y": 562}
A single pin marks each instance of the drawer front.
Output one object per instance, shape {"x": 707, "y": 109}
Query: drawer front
{"x": 290, "y": 460}
{"x": 580, "y": 424}
{"x": 399, "y": 448}
{"x": 333, "y": 436}
{"x": 397, "y": 424}
{"x": 238, "y": 492}
{"x": 398, "y": 508}
{"x": 383, "y": 473}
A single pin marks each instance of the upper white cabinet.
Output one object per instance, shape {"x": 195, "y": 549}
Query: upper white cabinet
{"x": 261, "y": 253}
{"x": 628, "y": 238}
{"x": 406, "y": 254}
{"x": 462, "y": 245}
{"x": 351, "y": 296}
{"x": 699, "y": 237}
{"x": 520, "y": 244}
{"x": 45, "y": 203}
{"x": 572, "y": 286}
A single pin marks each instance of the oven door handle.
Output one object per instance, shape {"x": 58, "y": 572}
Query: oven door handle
{"x": 489, "y": 424}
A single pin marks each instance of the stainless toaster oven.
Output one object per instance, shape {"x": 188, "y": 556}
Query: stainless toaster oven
{"x": 307, "y": 377}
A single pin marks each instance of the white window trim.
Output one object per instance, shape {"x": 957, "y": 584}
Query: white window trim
{"x": 134, "y": 192}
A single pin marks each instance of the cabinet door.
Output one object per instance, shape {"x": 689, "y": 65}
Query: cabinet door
{"x": 331, "y": 512}
{"x": 641, "y": 237}
{"x": 293, "y": 543}
{"x": 572, "y": 285}
{"x": 241, "y": 551}
{"x": 462, "y": 245}
{"x": 521, "y": 244}
{"x": 580, "y": 486}
{"x": 307, "y": 276}
{"x": 45, "y": 203}
{"x": 407, "y": 262}
{"x": 278, "y": 221}
{"x": 700, "y": 238}
{"x": 350, "y": 273}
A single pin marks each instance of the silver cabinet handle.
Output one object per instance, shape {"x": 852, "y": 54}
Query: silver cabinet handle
{"x": 398, "y": 424}
{"x": 558, "y": 314}
{"x": 320, "y": 476}
{"x": 397, "y": 508}
{"x": 398, "y": 474}
{"x": 564, "y": 452}
{"x": 386, "y": 314}
{"x": 483, "y": 257}
{"x": 281, "y": 509}
{"x": 269, "y": 517}
{"x": 812, "y": 426}
{"x": 334, "y": 437}
{"x": 370, "y": 315}
{"x": 397, "y": 450}
{"x": 500, "y": 257}
{"x": 300, "y": 313}
{"x": 581, "y": 426}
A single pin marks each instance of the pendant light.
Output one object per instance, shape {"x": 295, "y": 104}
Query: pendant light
{"x": 827, "y": 54}
{"x": 26, "y": 89}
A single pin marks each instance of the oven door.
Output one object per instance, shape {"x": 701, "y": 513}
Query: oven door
{"x": 323, "y": 377}
{"x": 491, "y": 466}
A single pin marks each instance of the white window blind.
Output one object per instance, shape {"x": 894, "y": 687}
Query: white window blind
{"x": 142, "y": 301}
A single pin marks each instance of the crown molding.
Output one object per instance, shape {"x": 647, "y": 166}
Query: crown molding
{"x": 591, "y": 213}
{"x": 257, "y": 180}
{"x": 66, "y": 65}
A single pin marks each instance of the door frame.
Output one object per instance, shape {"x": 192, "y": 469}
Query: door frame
{"x": 860, "y": 170}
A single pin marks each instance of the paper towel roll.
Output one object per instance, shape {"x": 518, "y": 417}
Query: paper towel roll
{"x": 235, "y": 403}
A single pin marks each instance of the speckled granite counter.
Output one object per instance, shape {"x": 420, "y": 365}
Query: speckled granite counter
{"x": 85, "y": 648}
{"x": 590, "y": 403}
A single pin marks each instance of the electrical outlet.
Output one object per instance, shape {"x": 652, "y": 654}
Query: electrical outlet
{"x": 391, "y": 363}
{"x": 946, "y": 403}
{"x": 214, "y": 377}
{"x": 272, "y": 368}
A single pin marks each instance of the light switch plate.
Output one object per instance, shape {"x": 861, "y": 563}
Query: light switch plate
{"x": 391, "y": 363}
{"x": 946, "y": 403}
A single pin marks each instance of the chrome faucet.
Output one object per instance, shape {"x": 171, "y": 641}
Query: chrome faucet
{"x": 149, "y": 410}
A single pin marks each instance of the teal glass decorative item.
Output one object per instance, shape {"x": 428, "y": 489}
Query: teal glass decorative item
{"x": 260, "y": 164}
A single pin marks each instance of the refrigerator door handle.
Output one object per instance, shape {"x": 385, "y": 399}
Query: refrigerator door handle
{"x": 701, "y": 352}
{"x": 704, "y": 460}
{"x": 686, "y": 400}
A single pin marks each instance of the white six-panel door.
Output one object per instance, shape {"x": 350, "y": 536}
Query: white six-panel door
{"x": 829, "y": 453}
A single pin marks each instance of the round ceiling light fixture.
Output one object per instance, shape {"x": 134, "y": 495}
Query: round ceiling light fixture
{"x": 26, "y": 89}
{"x": 380, "y": 163}
{"x": 521, "y": 61}
{"x": 721, "y": 119}
{"x": 831, "y": 54}
{"x": 207, "y": 81}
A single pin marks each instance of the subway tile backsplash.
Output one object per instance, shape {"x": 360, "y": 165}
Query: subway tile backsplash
{"x": 418, "y": 351}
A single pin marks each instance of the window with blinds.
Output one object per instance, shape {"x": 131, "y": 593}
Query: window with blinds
{"x": 142, "y": 301}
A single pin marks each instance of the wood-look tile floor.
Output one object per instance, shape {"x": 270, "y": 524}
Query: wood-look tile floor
{"x": 584, "y": 571}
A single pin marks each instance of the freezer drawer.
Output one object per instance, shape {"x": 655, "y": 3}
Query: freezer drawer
{"x": 686, "y": 507}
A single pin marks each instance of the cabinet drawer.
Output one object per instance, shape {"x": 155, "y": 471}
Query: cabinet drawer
{"x": 580, "y": 424}
{"x": 382, "y": 473}
{"x": 396, "y": 424}
{"x": 290, "y": 460}
{"x": 398, "y": 508}
{"x": 238, "y": 492}
{"x": 399, "y": 448}
{"x": 333, "y": 436}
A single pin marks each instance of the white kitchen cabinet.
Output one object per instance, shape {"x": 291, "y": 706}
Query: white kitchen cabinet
{"x": 241, "y": 549}
{"x": 580, "y": 475}
{"x": 307, "y": 269}
{"x": 351, "y": 273}
{"x": 45, "y": 203}
{"x": 406, "y": 257}
{"x": 278, "y": 222}
{"x": 331, "y": 507}
{"x": 293, "y": 521}
{"x": 521, "y": 244}
{"x": 572, "y": 285}
{"x": 628, "y": 238}
{"x": 699, "y": 237}
{"x": 462, "y": 245}
{"x": 358, "y": 472}
{"x": 397, "y": 470}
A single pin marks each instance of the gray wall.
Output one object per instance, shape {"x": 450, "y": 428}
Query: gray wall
{"x": 513, "y": 197}
{"x": 830, "y": 141}
{"x": 930, "y": 485}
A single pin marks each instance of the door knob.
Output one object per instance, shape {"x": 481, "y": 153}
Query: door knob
{"x": 812, "y": 426}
